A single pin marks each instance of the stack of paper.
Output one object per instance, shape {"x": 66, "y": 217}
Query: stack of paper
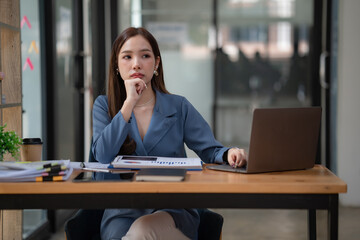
{"x": 52, "y": 170}
{"x": 139, "y": 162}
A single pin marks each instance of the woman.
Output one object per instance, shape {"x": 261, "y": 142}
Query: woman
{"x": 138, "y": 116}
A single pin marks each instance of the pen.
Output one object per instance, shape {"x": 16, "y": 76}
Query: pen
{"x": 96, "y": 170}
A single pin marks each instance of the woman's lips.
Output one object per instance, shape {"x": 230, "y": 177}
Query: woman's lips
{"x": 137, "y": 75}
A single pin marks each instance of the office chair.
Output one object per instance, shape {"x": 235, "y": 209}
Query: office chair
{"x": 85, "y": 224}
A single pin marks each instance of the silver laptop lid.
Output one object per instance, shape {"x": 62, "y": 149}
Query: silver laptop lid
{"x": 283, "y": 139}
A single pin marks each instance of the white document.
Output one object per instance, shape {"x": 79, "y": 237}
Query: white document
{"x": 139, "y": 162}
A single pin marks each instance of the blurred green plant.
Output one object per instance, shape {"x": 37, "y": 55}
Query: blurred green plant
{"x": 9, "y": 143}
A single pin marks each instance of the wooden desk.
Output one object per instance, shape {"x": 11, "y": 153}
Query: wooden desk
{"x": 311, "y": 189}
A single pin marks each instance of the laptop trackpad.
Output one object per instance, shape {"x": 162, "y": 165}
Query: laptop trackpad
{"x": 227, "y": 168}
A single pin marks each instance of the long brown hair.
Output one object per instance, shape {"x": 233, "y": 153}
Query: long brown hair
{"x": 116, "y": 92}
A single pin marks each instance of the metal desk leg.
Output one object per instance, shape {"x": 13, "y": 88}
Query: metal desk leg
{"x": 312, "y": 224}
{"x": 333, "y": 217}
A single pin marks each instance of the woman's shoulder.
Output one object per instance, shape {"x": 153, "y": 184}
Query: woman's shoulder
{"x": 101, "y": 101}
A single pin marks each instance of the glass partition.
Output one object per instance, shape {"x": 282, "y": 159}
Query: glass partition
{"x": 262, "y": 61}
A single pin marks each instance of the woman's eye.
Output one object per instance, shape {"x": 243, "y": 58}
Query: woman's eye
{"x": 146, "y": 56}
{"x": 126, "y": 57}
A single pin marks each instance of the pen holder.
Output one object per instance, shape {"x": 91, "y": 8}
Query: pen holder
{"x": 31, "y": 149}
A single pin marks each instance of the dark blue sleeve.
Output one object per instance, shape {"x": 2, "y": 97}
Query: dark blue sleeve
{"x": 199, "y": 136}
{"x": 108, "y": 134}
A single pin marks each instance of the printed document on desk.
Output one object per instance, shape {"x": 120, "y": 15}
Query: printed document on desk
{"x": 139, "y": 162}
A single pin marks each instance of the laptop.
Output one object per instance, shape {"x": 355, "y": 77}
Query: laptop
{"x": 281, "y": 139}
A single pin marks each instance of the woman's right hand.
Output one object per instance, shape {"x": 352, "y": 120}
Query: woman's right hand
{"x": 237, "y": 157}
{"x": 134, "y": 89}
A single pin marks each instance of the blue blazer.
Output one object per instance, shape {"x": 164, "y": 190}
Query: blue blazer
{"x": 174, "y": 122}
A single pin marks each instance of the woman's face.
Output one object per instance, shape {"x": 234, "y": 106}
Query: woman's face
{"x": 137, "y": 60}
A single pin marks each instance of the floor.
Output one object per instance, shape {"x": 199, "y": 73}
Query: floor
{"x": 285, "y": 224}
{"x": 278, "y": 224}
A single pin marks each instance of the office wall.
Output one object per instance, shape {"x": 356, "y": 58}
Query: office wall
{"x": 348, "y": 129}
{"x": 10, "y": 96}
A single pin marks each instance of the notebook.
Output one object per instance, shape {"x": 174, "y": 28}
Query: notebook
{"x": 281, "y": 139}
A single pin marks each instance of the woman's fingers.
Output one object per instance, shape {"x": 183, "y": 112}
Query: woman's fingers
{"x": 237, "y": 157}
{"x": 135, "y": 86}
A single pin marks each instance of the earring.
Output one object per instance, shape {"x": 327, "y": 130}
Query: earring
{"x": 117, "y": 71}
{"x": 156, "y": 73}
